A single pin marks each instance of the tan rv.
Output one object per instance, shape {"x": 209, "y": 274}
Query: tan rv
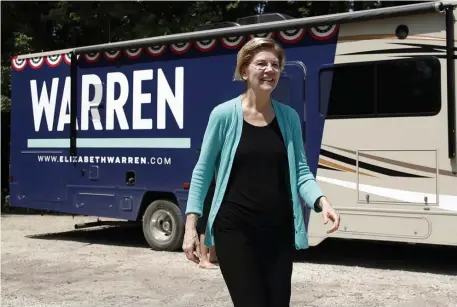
{"x": 388, "y": 153}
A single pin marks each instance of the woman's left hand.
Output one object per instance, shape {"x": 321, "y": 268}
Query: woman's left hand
{"x": 328, "y": 213}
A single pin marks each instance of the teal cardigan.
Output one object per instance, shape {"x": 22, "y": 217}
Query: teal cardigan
{"x": 219, "y": 145}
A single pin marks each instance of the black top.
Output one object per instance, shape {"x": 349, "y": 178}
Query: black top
{"x": 258, "y": 193}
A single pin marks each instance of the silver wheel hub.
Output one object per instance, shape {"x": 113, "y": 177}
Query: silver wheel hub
{"x": 161, "y": 225}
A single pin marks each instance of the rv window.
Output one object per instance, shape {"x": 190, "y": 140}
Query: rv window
{"x": 349, "y": 90}
{"x": 409, "y": 87}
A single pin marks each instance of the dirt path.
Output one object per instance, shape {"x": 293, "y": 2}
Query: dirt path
{"x": 47, "y": 263}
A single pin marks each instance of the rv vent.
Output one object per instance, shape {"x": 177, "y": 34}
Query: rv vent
{"x": 402, "y": 31}
{"x": 225, "y": 24}
{"x": 269, "y": 17}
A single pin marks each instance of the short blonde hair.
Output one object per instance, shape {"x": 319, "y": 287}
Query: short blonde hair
{"x": 248, "y": 51}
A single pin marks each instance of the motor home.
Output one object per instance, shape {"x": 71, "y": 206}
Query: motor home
{"x": 114, "y": 130}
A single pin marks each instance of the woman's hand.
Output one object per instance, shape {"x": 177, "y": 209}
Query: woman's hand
{"x": 191, "y": 244}
{"x": 328, "y": 213}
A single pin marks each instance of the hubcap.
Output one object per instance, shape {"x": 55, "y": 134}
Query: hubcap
{"x": 161, "y": 225}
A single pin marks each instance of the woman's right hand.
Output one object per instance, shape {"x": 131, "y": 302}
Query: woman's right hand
{"x": 191, "y": 244}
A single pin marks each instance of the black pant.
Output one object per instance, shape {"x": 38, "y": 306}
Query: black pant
{"x": 257, "y": 267}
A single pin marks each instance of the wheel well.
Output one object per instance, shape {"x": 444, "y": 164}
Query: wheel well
{"x": 151, "y": 196}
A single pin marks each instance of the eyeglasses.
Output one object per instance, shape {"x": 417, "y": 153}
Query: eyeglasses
{"x": 263, "y": 66}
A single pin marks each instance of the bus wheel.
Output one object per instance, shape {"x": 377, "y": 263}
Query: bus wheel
{"x": 163, "y": 226}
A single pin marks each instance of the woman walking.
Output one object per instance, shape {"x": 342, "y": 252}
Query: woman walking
{"x": 254, "y": 144}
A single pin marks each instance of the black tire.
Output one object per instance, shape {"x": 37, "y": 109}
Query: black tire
{"x": 163, "y": 226}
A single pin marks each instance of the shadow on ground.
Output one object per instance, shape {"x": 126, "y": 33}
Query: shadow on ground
{"x": 368, "y": 254}
{"x": 128, "y": 235}
{"x": 383, "y": 255}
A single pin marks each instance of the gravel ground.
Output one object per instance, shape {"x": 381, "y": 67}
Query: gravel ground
{"x": 45, "y": 262}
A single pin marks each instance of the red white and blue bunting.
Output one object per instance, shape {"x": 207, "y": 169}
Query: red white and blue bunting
{"x": 92, "y": 57}
{"x": 291, "y": 36}
{"x": 67, "y": 58}
{"x": 268, "y": 35}
{"x": 36, "y": 63}
{"x": 156, "y": 50}
{"x": 133, "y": 53}
{"x": 323, "y": 32}
{"x": 53, "y": 60}
{"x": 18, "y": 64}
{"x": 232, "y": 42}
{"x": 112, "y": 55}
{"x": 180, "y": 48}
{"x": 206, "y": 45}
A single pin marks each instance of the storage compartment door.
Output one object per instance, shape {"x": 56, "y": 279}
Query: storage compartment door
{"x": 397, "y": 176}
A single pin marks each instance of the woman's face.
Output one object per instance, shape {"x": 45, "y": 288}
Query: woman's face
{"x": 262, "y": 73}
